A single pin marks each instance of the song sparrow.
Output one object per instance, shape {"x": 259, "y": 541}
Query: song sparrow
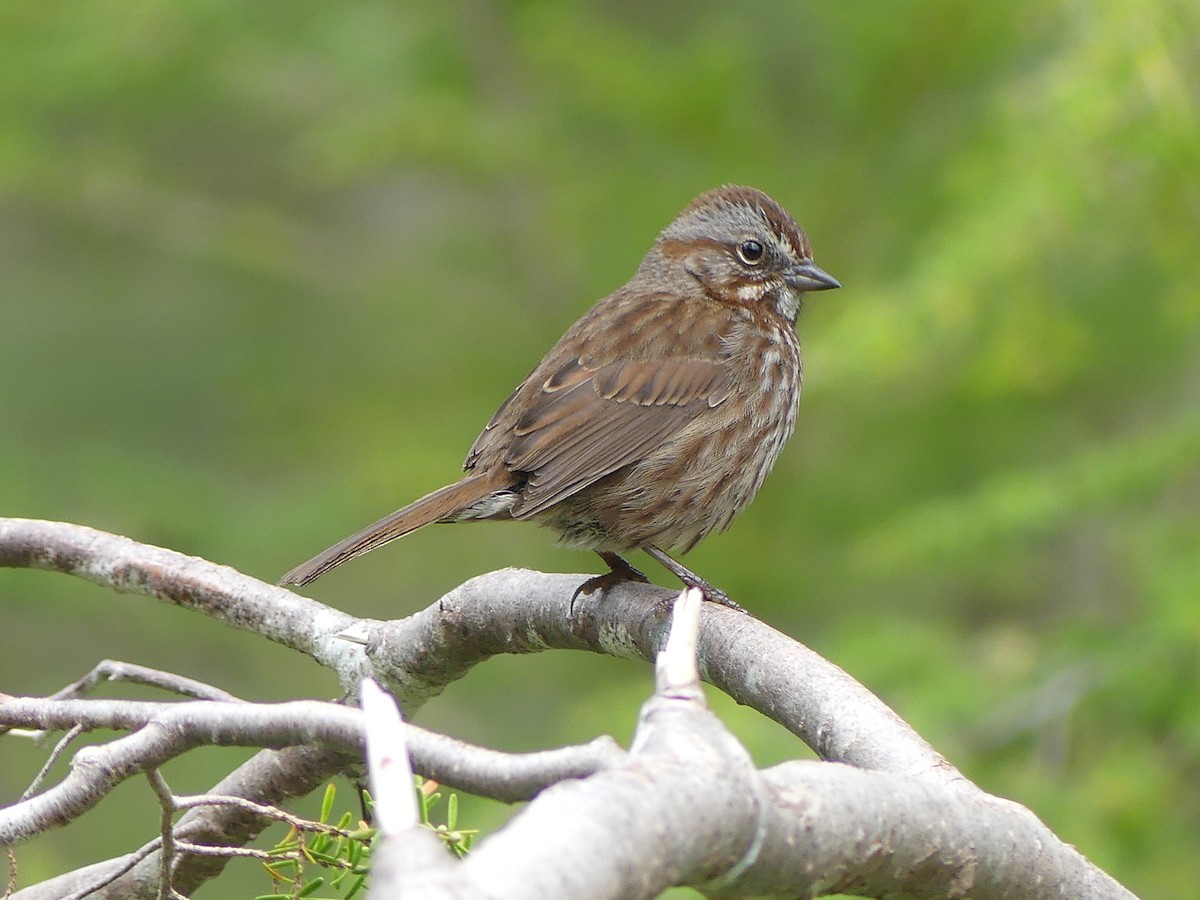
{"x": 654, "y": 420}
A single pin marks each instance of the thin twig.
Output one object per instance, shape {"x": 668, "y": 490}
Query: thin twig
{"x": 167, "y": 831}
{"x": 126, "y": 865}
{"x": 271, "y": 812}
{"x": 232, "y": 852}
{"x": 115, "y": 670}
{"x": 74, "y": 732}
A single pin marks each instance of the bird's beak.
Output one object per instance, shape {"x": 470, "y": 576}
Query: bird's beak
{"x": 807, "y": 277}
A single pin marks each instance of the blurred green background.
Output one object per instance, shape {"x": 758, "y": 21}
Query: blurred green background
{"x": 267, "y": 269}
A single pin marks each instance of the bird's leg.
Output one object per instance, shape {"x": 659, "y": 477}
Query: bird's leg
{"x": 619, "y": 570}
{"x": 691, "y": 579}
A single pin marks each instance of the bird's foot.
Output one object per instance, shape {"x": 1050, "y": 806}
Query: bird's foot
{"x": 618, "y": 571}
{"x": 714, "y": 594}
{"x": 691, "y": 580}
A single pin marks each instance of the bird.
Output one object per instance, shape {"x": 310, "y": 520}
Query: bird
{"x": 656, "y": 417}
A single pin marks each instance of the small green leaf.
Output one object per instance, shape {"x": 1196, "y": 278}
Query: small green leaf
{"x": 327, "y": 803}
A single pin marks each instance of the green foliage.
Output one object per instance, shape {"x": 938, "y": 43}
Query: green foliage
{"x": 342, "y": 853}
{"x": 268, "y": 268}
{"x": 458, "y": 840}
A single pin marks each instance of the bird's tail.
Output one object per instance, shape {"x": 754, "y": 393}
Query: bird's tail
{"x": 442, "y": 505}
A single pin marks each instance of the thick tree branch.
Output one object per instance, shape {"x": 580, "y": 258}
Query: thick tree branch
{"x": 691, "y": 794}
{"x": 165, "y": 730}
{"x": 684, "y": 807}
{"x": 519, "y": 611}
{"x": 219, "y": 592}
{"x": 510, "y": 611}
{"x": 879, "y": 834}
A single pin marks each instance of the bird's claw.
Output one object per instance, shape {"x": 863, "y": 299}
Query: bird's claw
{"x": 619, "y": 572}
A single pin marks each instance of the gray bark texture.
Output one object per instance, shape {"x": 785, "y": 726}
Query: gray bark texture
{"x": 882, "y": 814}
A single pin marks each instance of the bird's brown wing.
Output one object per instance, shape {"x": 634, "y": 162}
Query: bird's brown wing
{"x": 491, "y": 439}
{"x": 589, "y": 419}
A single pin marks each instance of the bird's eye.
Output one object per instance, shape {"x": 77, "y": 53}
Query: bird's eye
{"x": 751, "y": 252}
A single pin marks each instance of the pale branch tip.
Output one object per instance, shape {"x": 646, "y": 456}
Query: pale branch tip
{"x": 390, "y": 773}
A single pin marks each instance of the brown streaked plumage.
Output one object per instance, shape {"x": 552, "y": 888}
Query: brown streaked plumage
{"x": 655, "y": 419}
